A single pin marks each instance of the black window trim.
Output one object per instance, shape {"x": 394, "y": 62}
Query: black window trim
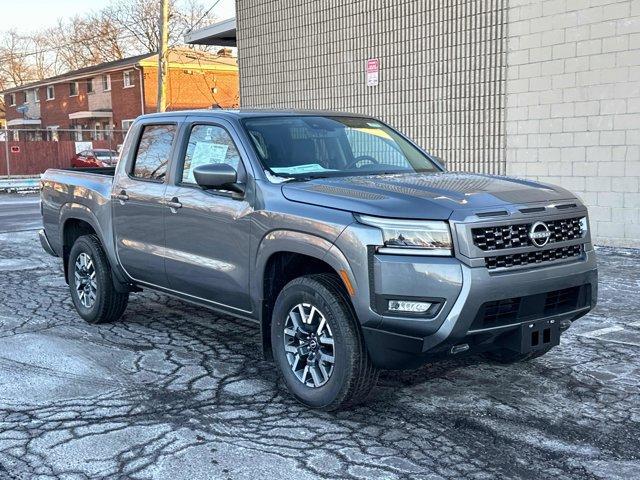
{"x": 134, "y": 156}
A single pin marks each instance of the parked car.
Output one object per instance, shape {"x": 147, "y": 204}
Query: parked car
{"x": 349, "y": 246}
{"x": 96, "y": 157}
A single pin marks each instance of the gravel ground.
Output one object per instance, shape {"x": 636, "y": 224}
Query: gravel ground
{"x": 174, "y": 391}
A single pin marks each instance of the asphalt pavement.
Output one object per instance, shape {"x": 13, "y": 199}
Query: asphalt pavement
{"x": 173, "y": 391}
{"x": 19, "y": 212}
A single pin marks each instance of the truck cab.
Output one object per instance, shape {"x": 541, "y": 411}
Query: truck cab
{"x": 350, "y": 246}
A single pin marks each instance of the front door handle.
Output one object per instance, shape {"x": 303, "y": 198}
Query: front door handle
{"x": 173, "y": 204}
{"x": 122, "y": 197}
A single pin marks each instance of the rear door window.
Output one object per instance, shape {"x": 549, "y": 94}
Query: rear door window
{"x": 154, "y": 151}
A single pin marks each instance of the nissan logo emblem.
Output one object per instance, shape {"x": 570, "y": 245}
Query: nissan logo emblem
{"x": 539, "y": 234}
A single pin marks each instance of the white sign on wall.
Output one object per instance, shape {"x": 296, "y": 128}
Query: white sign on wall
{"x": 373, "y": 67}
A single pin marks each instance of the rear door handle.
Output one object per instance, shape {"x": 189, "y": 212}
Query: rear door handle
{"x": 122, "y": 196}
{"x": 173, "y": 204}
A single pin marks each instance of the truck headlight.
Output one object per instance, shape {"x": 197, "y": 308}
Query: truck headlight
{"x": 412, "y": 237}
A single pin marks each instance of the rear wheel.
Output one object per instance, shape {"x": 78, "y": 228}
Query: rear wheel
{"x": 92, "y": 289}
{"x": 317, "y": 344}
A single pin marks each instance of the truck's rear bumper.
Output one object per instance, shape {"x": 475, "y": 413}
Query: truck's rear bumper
{"x": 489, "y": 312}
{"x": 44, "y": 241}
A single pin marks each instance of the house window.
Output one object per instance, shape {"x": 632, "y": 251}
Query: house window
{"x": 36, "y": 95}
{"x": 97, "y": 131}
{"x": 51, "y": 92}
{"x": 126, "y": 124}
{"x": 127, "y": 79}
{"x": 73, "y": 89}
{"x": 28, "y": 96}
{"x": 52, "y": 133}
{"x": 78, "y": 133}
{"x": 106, "y": 82}
{"x": 90, "y": 85}
{"x": 12, "y": 100}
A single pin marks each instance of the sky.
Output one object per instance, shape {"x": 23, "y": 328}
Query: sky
{"x": 36, "y": 14}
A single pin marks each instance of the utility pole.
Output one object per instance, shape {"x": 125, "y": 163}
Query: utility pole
{"x": 162, "y": 55}
{"x": 6, "y": 148}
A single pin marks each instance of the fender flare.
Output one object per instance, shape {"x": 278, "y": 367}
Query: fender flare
{"x": 291, "y": 241}
{"x": 77, "y": 211}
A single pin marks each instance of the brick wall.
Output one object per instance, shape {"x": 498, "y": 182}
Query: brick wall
{"x": 190, "y": 89}
{"x": 125, "y": 101}
{"x": 56, "y": 111}
{"x": 573, "y": 105}
{"x": 441, "y": 67}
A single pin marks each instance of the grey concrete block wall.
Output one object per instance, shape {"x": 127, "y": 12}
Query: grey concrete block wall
{"x": 573, "y": 105}
{"x": 442, "y": 70}
{"x": 544, "y": 89}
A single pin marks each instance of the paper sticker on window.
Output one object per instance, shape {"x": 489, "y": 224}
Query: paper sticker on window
{"x": 203, "y": 154}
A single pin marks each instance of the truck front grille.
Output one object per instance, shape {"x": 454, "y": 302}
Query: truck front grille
{"x": 536, "y": 256}
{"x": 513, "y": 236}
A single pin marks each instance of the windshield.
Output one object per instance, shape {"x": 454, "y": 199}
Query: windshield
{"x": 323, "y": 146}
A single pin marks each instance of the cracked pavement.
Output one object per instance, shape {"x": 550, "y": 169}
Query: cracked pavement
{"x": 175, "y": 391}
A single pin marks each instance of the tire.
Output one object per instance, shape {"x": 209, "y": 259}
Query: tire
{"x": 351, "y": 377}
{"x": 509, "y": 356}
{"x": 105, "y": 304}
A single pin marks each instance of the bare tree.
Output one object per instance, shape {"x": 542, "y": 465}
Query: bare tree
{"x": 123, "y": 28}
{"x": 13, "y": 69}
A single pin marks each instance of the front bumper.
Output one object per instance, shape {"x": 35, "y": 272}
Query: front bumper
{"x": 407, "y": 343}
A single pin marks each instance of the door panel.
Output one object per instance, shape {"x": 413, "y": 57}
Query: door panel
{"x": 208, "y": 235}
{"x": 207, "y": 246}
{"x": 138, "y": 223}
{"x": 138, "y": 206}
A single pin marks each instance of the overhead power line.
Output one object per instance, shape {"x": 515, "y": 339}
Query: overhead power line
{"x": 19, "y": 56}
{"x": 203, "y": 16}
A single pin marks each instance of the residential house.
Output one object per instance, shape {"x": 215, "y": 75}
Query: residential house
{"x": 103, "y": 100}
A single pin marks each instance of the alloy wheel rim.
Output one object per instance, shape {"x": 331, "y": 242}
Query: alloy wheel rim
{"x": 85, "y": 280}
{"x": 309, "y": 345}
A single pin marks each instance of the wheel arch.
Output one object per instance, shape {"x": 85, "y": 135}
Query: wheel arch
{"x": 77, "y": 220}
{"x": 284, "y": 255}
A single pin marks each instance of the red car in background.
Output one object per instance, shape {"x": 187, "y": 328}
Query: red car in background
{"x": 97, "y": 157}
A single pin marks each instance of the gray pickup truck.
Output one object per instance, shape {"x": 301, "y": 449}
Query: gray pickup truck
{"x": 349, "y": 246}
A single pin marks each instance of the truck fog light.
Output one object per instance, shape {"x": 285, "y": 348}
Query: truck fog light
{"x": 407, "y": 306}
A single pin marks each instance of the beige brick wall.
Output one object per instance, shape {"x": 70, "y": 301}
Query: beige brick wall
{"x": 442, "y": 70}
{"x": 573, "y": 105}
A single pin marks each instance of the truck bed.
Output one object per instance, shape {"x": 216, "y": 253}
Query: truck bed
{"x": 64, "y": 190}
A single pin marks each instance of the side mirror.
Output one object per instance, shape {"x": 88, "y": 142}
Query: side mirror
{"x": 217, "y": 176}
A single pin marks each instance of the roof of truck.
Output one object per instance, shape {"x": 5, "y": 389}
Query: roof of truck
{"x": 247, "y": 113}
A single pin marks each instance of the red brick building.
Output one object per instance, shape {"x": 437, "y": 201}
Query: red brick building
{"x": 91, "y": 103}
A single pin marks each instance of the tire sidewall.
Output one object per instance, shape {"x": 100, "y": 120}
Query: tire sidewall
{"x": 84, "y": 245}
{"x": 303, "y": 292}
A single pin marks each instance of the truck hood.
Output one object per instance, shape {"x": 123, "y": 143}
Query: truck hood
{"x": 421, "y": 196}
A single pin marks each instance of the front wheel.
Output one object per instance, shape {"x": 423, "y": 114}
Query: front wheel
{"x": 317, "y": 344}
{"x": 92, "y": 289}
